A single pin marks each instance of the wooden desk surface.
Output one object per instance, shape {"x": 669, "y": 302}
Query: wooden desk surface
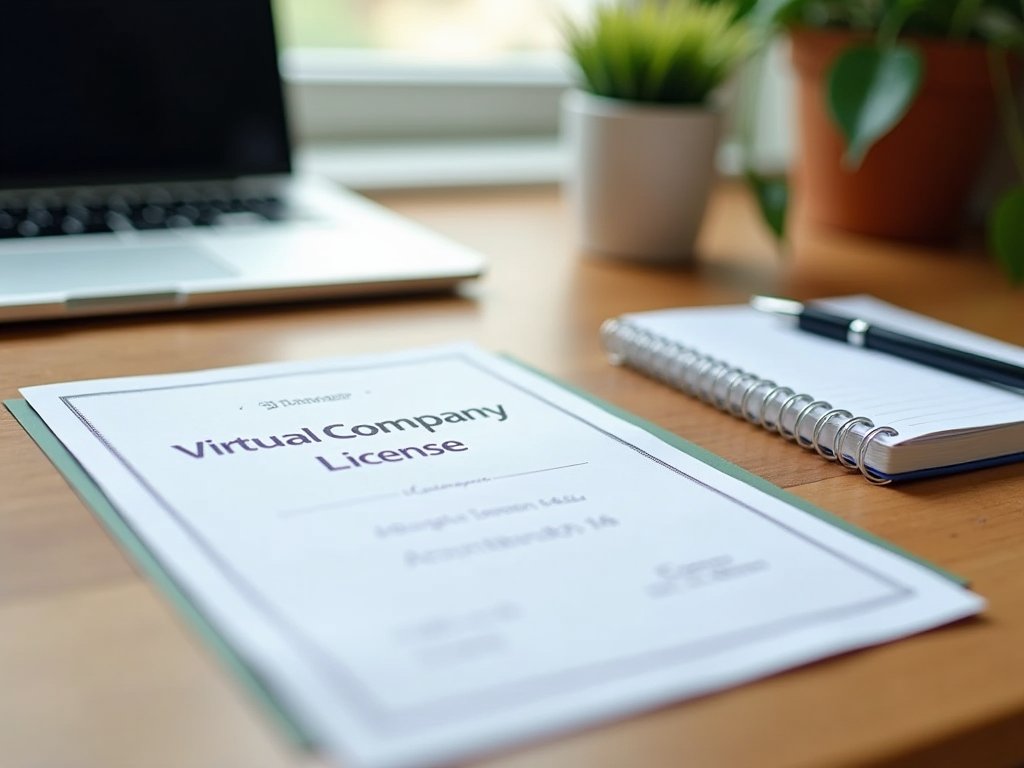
{"x": 96, "y": 669}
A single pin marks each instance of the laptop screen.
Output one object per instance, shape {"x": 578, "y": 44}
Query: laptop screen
{"x": 108, "y": 91}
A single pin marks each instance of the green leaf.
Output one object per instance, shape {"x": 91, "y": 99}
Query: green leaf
{"x": 772, "y": 196}
{"x": 999, "y": 26}
{"x": 767, "y": 11}
{"x": 1006, "y": 233}
{"x": 869, "y": 90}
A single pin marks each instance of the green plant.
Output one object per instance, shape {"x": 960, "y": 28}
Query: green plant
{"x": 674, "y": 52}
{"x": 872, "y": 85}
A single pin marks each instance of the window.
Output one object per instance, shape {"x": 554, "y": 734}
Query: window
{"x": 439, "y": 29}
{"x": 426, "y": 92}
{"x": 407, "y": 92}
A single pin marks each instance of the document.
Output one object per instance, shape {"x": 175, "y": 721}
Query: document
{"x": 431, "y": 554}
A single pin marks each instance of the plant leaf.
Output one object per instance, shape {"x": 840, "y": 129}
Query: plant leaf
{"x": 1006, "y": 233}
{"x": 774, "y": 11}
{"x": 772, "y": 195}
{"x": 999, "y": 26}
{"x": 869, "y": 89}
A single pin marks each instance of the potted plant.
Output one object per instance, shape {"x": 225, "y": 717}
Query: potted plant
{"x": 642, "y": 128}
{"x": 897, "y": 109}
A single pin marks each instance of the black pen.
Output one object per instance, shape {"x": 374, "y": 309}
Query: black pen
{"x": 861, "y": 333}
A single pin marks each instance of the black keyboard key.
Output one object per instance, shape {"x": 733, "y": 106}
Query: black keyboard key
{"x": 270, "y": 208}
{"x": 208, "y": 215}
{"x": 188, "y": 212}
{"x": 147, "y": 217}
{"x": 36, "y": 222}
{"x": 41, "y": 217}
{"x": 93, "y": 217}
{"x": 27, "y": 228}
{"x": 71, "y": 226}
{"x": 8, "y": 225}
{"x": 118, "y": 222}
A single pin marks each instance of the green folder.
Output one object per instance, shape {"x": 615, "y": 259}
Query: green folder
{"x": 93, "y": 497}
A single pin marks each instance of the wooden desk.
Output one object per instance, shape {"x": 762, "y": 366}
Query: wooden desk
{"x": 97, "y": 670}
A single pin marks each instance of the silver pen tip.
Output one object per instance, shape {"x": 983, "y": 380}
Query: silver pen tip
{"x": 776, "y": 306}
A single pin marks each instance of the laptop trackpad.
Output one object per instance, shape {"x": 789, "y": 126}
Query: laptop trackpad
{"x": 98, "y": 270}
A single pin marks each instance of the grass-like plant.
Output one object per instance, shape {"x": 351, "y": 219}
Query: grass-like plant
{"x": 658, "y": 51}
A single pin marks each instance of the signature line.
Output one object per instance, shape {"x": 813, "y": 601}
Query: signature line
{"x": 538, "y": 471}
{"x": 379, "y": 497}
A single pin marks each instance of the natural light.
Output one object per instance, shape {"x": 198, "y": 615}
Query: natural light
{"x": 439, "y": 29}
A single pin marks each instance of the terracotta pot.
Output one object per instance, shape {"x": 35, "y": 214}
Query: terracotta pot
{"x": 915, "y": 183}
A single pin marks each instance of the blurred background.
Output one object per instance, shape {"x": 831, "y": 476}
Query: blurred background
{"x": 441, "y": 29}
{"x": 408, "y": 93}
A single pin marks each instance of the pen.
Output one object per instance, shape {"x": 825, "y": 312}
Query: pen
{"x": 861, "y": 333}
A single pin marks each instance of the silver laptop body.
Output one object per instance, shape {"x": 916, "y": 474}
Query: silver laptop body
{"x": 145, "y": 165}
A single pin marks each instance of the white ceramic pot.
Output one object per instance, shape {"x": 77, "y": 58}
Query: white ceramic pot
{"x": 639, "y": 175}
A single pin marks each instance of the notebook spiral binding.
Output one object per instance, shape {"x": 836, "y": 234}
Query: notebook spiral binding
{"x": 834, "y": 434}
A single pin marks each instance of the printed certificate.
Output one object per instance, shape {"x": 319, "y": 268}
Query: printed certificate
{"x": 431, "y": 554}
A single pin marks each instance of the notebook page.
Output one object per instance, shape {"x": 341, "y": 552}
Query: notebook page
{"x": 915, "y": 400}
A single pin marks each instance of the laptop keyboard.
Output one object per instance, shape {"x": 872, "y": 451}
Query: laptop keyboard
{"x": 22, "y": 221}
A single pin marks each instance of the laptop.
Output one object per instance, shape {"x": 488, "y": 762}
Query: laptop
{"x": 145, "y": 164}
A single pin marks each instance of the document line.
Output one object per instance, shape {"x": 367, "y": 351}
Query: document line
{"x": 399, "y": 494}
{"x": 538, "y": 471}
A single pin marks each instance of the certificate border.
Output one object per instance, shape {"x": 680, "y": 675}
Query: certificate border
{"x": 497, "y": 697}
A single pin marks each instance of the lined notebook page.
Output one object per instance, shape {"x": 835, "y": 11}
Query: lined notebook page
{"x": 914, "y": 399}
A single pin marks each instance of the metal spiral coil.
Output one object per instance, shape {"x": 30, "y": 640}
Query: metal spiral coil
{"x": 834, "y": 434}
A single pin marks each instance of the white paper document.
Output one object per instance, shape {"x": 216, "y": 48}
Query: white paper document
{"x": 432, "y": 554}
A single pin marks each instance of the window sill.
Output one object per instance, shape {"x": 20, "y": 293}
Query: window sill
{"x": 413, "y": 165}
{"x": 385, "y": 166}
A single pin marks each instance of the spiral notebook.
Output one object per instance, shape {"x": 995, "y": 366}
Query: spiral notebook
{"x": 889, "y": 418}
